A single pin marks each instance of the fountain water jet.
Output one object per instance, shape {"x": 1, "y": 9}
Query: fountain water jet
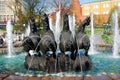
{"x": 52, "y": 26}
{"x": 9, "y": 29}
{"x": 72, "y": 24}
{"x": 116, "y": 34}
{"x": 91, "y": 51}
{"x": 27, "y": 32}
{"x": 58, "y": 29}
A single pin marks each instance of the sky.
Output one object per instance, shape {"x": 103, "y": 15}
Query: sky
{"x": 84, "y": 1}
{"x": 50, "y": 9}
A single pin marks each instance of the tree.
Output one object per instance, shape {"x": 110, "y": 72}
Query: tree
{"x": 55, "y": 4}
{"x": 17, "y": 7}
{"x": 23, "y": 9}
{"x": 111, "y": 12}
{"x": 33, "y": 7}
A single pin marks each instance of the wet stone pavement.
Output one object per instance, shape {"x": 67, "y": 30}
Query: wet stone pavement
{"x": 102, "y": 77}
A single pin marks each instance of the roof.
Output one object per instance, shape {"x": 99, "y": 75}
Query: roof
{"x": 95, "y": 1}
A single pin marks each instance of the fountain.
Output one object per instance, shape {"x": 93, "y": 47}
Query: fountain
{"x": 52, "y": 25}
{"x": 9, "y": 29}
{"x": 72, "y": 24}
{"x": 44, "y": 64}
{"x": 16, "y": 65}
{"x": 58, "y": 27}
{"x": 27, "y": 32}
{"x": 53, "y": 62}
{"x": 116, "y": 34}
{"x": 91, "y": 51}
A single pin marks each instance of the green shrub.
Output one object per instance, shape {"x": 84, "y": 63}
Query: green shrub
{"x": 3, "y": 28}
{"x": 106, "y": 38}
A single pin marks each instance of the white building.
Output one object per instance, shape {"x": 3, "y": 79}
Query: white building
{"x": 7, "y": 10}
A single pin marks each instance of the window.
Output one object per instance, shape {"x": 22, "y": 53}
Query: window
{"x": 2, "y": 6}
{"x": 106, "y": 5}
{"x": 118, "y": 3}
{"x": 96, "y": 13}
{"x": 0, "y": 17}
{"x": 105, "y": 12}
{"x": 86, "y": 8}
{"x": 86, "y": 14}
{"x": 95, "y": 6}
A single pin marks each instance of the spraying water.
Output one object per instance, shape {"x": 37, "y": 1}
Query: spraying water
{"x": 52, "y": 26}
{"x": 27, "y": 32}
{"x": 58, "y": 27}
{"x": 116, "y": 34}
{"x": 9, "y": 29}
{"x": 72, "y": 24}
{"x": 92, "y": 35}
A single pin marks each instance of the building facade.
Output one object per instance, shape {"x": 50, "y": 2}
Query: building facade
{"x": 100, "y": 8}
{"x": 76, "y": 9}
{"x": 7, "y": 10}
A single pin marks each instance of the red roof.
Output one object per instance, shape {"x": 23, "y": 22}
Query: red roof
{"x": 74, "y": 8}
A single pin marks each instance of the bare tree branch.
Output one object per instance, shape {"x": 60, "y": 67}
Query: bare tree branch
{"x": 55, "y": 3}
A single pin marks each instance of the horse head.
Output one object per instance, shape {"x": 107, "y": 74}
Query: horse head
{"x": 65, "y": 22}
{"x": 33, "y": 27}
{"x": 83, "y": 24}
{"x": 45, "y": 22}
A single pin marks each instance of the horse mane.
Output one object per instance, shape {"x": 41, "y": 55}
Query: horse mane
{"x": 83, "y": 24}
{"x": 65, "y": 22}
{"x": 45, "y": 22}
{"x": 32, "y": 24}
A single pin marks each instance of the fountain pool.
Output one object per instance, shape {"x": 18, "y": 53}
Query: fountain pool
{"x": 103, "y": 63}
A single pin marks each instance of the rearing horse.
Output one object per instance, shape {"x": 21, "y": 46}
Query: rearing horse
{"x": 82, "y": 40}
{"x": 82, "y": 61}
{"x": 67, "y": 42}
{"x": 47, "y": 43}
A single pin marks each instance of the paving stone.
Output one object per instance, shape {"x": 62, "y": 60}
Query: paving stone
{"x": 34, "y": 78}
{"x": 16, "y": 78}
{"x": 115, "y": 76}
{"x": 103, "y": 77}
{"x": 75, "y": 78}
{"x": 79, "y": 78}
{"x": 46, "y": 78}
{"x": 88, "y": 78}
{"x": 68, "y": 78}
{"x": 57, "y": 78}
{"x": 118, "y": 76}
{"x": 3, "y": 76}
{"x": 116, "y": 79}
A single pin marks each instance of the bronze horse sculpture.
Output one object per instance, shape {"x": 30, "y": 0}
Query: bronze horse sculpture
{"x": 32, "y": 47}
{"x": 47, "y": 43}
{"x": 48, "y": 46}
{"x": 67, "y": 42}
{"x": 31, "y": 42}
{"x": 42, "y": 50}
{"x": 67, "y": 46}
{"x": 82, "y": 61}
